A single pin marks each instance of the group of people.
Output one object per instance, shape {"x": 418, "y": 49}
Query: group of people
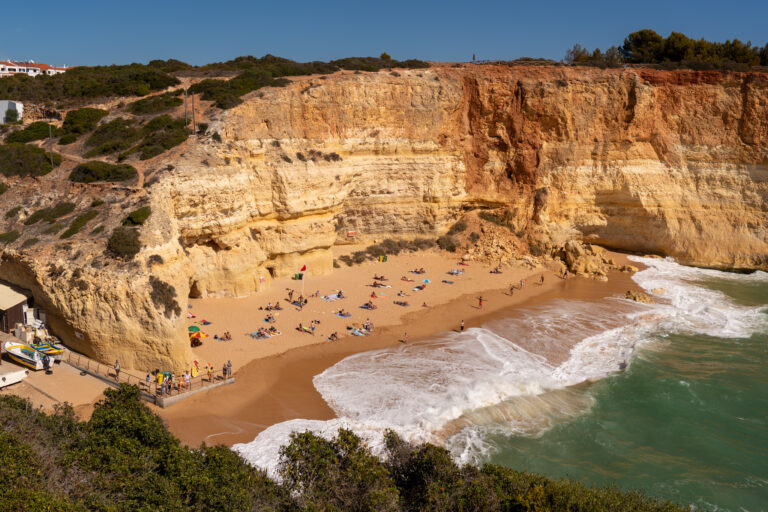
{"x": 167, "y": 382}
{"x": 224, "y": 337}
{"x": 310, "y": 329}
{"x": 266, "y": 332}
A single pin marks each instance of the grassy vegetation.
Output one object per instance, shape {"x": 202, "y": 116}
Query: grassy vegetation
{"x": 79, "y": 222}
{"x": 96, "y": 202}
{"x": 255, "y": 73}
{"x": 3, "y": 188}
{"x": 82, "y": 84}
{"x": 157, "y": 103}
{"x": 34, "y": 131}
{"x": 97, "y": 230}
{"x": 12, "y": 212}
{"x": 50, "y": 214}
{"x": 89, "y": 172}
{"x": 138, "y": 217}
{"x": 124, "y": 459}
{"x": 9, "y": 236}
{"x": 124, "y": 242}
{"x": 160, "y": 134}
{"x": 80, "y": 121}
{"x": 388, "y": 247}
{"x": 25, "y": 160}
{"x": 53, "y": 229}
{"x": 116, "y": 135}
{"x": 29, "y": 242}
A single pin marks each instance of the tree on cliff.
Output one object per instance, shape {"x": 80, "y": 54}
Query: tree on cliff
{"x": 643, "y": 46}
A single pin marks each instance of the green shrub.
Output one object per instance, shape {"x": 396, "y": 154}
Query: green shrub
{"x": 116, "y": 135}
{"x": 11, "y": 116}
{"x": 216, "y": 136}
{"x": 90, "y": 172}
{"x": 157, "y": 103}
{"x": 3, "y": 188}
{"x": 79, "y": 222}
{"x": 138, "y": 217}
{"x": 50, "y": 214}
{"x": 24, "y": 160}
{"x": 85, "y": 83}
{"x": 12, "y": 212}
{"x": 447, "y": 243}
{"x": 82, "y": 120}
{"x": 9, "y": 236}
{"x": 68, "y": 138}
{"x": 35, "y": 131}
{"x": 474, "y": 237}
{"x": 53, "y": 229}
{"x": 459, "y": 227}
{"x": 97, "y": 230}
{"x": 124, "y": 242}
{"x": 202, "y": 127}
{"x": 160, "y": 134}
{"x": 29, "y": 242}
{"x": 96, "y": 202}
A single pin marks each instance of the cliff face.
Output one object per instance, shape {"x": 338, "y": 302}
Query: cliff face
{"x": 673, "y": 163}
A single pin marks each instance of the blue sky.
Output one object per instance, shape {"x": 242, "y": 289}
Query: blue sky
{"x": 112, "y": 32}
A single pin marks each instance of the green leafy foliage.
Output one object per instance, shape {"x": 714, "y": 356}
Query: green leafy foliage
{"x": 50, "y": 214}
{"x": 97, "y": 230}
{"x": 34, "y": 131}
{"x": 160, "y": 134}
{"x": 85, "y": 83}
{"x": 675, "y": 51}
{"x": 3, "y": 188}
{"x": 89, "y": 172}
{"x": 226, "y": 93}
{"x": 9, "y": 236}
{"x": 447, "y": 243}
{"x": 82, "y": 120}
{"x": 138, "y": 217}
{"x": 124, "y": 242}
{"x": 29, "y": 242}
{"x": 25, "y": 160}
{"x": 12, "y": 212}
{"x": 157, "y": 103}
{"x": 53, "y": 229}
{"x": 116, "y": 135}
{"x": 124, "y": 459}
{"x": 96, "y": 202}
{"x": 11, "y": 115}
{"x": 79, "y": 222}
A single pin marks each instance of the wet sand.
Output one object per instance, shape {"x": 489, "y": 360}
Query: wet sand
{"x": 279, "y": 387}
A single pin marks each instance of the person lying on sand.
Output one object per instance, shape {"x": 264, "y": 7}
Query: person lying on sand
{"x": 406, "y": 279}
{"x": 401, "y": 293}
{"x": 333, "y": 337}
{"x": 403, "y": 303}
{"x": 496, "y": 270}
{"x": 340, "y": 294}
{"x": 369, "y": 305}
{"x": 374, "y": 296}
{"x": 269, "y": 318}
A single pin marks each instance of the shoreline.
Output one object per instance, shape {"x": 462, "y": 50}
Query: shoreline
{"x": 279, "y": 387}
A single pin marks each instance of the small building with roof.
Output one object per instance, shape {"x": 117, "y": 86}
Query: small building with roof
{"x": 14, "y": 303}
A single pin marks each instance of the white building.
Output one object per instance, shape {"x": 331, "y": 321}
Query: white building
{"x": 6, "y": 105}
{"x": 31, "y": 68}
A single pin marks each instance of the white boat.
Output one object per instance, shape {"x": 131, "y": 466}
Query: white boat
{"x": 24, "y": 355}
{"x": 11, "y": 374}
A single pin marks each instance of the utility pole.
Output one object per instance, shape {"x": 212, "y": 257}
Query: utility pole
{"x": 194, "y": 126}
{"x": 50, "y": 138}
{"x": 186, "y": 120}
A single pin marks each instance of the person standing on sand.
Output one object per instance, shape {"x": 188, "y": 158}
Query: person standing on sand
{"x": 461, "y": 327}
{"x": 290, "y": 295}
{"x": 480, "y": 302}
{"x": 542, "y": 279}
{"x": 405, "y": 338}
{"x": 117, "y": 370}
{"x": 229, "y": 368}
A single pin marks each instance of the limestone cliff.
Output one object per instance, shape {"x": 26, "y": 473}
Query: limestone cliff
{"x": 672, "y": 163}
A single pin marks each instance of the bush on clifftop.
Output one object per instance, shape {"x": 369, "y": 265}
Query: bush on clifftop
{"x": 124, "y": 242}
{"x": 25, "y": 160}
{"x": 89, "y": 172}
{"x": 124, "y": 459}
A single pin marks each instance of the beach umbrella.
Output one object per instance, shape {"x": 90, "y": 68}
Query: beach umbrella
{"x": 198, "y": 335}
{"x": 425, "y": 281}
{"x": 193, "y": 328}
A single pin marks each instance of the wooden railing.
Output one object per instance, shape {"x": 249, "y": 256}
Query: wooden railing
{"x": 149, "y": 391}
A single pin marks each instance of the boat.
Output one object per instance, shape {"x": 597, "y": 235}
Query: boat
{"x": 10, "y": 374}
{"x": 24, "y": 355}
{"x": 48, "y": 348}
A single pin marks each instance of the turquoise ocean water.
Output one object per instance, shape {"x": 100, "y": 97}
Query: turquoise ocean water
{"x": 685, "y": 420}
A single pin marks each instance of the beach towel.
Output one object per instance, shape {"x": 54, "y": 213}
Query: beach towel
{"x": 258, "y": 336}
{"x": 331, "y": 298}
{"x": 447, "y": 282}
{"x": 344, "y": 316}
{"x": 360, "y": 332}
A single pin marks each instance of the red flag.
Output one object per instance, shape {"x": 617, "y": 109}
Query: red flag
{"x": 303, "y": 268}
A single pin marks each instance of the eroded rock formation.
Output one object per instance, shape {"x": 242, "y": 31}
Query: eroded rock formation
{"x": 671, "y": 163}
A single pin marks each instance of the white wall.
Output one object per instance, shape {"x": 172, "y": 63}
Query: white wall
{"x": 13, "y": 105}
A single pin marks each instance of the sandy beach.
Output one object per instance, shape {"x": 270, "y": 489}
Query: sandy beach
{"x": 274, "y": 377}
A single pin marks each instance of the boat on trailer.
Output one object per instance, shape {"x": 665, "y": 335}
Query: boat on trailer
{"x": 11, "y": 374}
{"x": 24, "y": 355}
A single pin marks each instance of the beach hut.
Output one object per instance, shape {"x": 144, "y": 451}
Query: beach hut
{"x": 13, "y": 305}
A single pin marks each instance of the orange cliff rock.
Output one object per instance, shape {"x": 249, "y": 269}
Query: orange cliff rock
{"x": 667, "y": 162}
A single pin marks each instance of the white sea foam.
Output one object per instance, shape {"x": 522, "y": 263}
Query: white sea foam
{"x": 459, "y": 387}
